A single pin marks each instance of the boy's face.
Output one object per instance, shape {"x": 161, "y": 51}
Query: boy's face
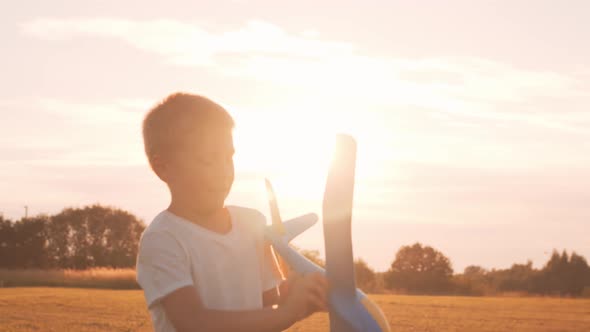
{"x": 202, "y": 170}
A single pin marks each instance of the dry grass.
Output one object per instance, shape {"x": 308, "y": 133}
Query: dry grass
{"x": 91, "y": 278}
{"x": 68, "y": 309}
{"x": 477, "y": 314}
{"x": 72, "y": 309}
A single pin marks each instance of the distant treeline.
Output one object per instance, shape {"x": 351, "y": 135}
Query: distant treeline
{"x": 104, "y": 237}
{"x": 422, "y": 269}
{"x": 75, "y": 238}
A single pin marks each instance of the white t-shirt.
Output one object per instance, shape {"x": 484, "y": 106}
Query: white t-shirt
{"x": 230, "y": 271}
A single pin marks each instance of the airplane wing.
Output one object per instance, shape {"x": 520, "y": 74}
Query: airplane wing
{"x": 337, "y": 217}
{"x": 348, "y": 311}
{"x": 351, "y": 316}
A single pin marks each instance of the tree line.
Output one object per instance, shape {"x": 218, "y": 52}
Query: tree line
{"x": 101, "y": 236}
{"x": 419, "y": 269}
{"x": 75, "y": 238}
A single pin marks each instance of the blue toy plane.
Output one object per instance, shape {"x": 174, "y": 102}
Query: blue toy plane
{"x": 350, "y": 309}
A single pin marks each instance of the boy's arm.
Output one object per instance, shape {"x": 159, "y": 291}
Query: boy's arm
{"x": 163, "y": 272}
{"x": 186, "y": 312}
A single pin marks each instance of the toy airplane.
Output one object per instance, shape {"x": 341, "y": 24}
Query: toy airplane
{"x": 350, "y": 309}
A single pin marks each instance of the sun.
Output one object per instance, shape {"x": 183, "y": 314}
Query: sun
{"x": 294, "y": 147}
{"x": 292, "y": 153}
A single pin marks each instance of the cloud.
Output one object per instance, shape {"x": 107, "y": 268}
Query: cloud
{"x": 463, "y": 87}
{"x": 443, "y": 110}
{"x": 116, "y": 112}
{"x": 188, "y": 44}
{"x": 458, "y": 194}
{"x": 63, "y": 132}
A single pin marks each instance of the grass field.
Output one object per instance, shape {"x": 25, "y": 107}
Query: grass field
{"x": 90, "y": 278}
{"x": 74, "y": 309}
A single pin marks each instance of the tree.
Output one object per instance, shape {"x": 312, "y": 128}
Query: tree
{"x": 59, "y": 245}
{"x": 519, "y": 278}
{"x": 474, "y": 271}
{"x": 7, "y": 258}
{"x": 579, "y": 275}
{"x": 365, "y": 276}
{"x": 96, "y": 236}
{"x": 420, "y": 269}
{"x": 564, "y": 275}
{"x": 550, "y": 281}
{"x": 30, "y": 242}
{"x": 473, "y": 281}
{"x": 122, "y": 238}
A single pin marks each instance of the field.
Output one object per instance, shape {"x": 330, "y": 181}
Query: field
{"x": 75, "y": 309}
{"x": 89, "y": 278}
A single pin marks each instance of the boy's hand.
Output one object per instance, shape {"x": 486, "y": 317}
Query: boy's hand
{"x": 307, "y": 294}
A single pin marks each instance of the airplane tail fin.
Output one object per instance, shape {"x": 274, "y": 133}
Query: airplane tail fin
{"x": 277, "y": 222}
{"x": 291, "y": 228}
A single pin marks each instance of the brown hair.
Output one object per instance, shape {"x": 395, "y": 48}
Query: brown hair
{"x": 166, "y": 126}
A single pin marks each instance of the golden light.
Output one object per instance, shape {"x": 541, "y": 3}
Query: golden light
{"x": 294, "y": 147}
{"x": 292, "y": 152}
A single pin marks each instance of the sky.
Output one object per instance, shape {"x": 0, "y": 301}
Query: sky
{"x": 471, "y": 117}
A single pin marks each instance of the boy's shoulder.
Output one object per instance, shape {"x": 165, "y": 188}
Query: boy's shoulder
{"x": 247, "y": 217}
{"x": 243, "y": 217}
{"x": 161, "y": 222}
{"x": 246, "y": 213}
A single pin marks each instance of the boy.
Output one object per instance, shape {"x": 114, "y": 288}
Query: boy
{"x": 204, "y": 266}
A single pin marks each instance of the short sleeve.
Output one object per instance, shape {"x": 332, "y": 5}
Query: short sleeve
{"x": 271, "y": 273}
{"x": 162, "y": 266}
{"x": 255, "y": 220}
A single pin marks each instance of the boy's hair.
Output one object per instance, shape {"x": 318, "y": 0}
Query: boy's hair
{"x": 166, "y": 126}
